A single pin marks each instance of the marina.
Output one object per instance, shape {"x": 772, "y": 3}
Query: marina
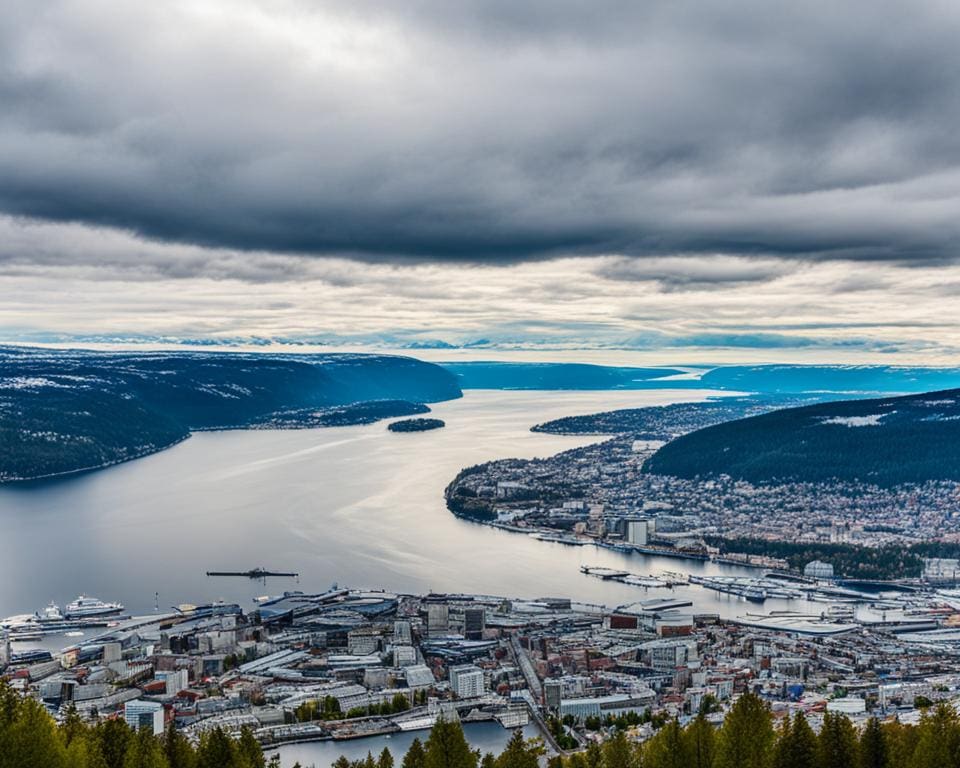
{"x": 82, "y": 613}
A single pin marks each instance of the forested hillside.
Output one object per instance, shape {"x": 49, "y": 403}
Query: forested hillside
{"x": 64, "y": 411}
{"x": 886, "y": 441}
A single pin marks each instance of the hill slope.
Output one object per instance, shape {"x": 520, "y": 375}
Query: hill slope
{"x": 886, "y": 441}
{"x": 65, "y": 411}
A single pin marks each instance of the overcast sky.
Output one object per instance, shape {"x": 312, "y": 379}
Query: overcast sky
{"x": 736, "y": 180}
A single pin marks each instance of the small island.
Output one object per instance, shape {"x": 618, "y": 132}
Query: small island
{"x": 415, "y": 425}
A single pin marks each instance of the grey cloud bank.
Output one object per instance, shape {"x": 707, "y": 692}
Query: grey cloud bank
{"x": 490, "y": 131}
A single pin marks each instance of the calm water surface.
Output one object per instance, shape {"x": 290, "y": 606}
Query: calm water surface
{"x": 360, "y": 506}
{"x": 487, "y": 737}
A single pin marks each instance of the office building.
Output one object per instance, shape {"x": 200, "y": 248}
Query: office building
{"x": 466, "y": 681}
{"x": 144, "y": 714}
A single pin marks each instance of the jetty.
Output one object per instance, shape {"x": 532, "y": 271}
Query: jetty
{"x": 256, "y": 573}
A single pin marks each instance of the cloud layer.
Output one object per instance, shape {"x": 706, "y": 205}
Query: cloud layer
{"x": 490, "y": 131}
{"x": 698, "y": 180}
{"x": 71, "y": 283}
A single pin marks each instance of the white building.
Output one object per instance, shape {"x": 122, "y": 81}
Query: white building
{"x": 466, "y": 680}
{"x": 419, "y": 676}
{"x": 850, "y": 705}
{"x": 637, "y": 531}
{"x": 144, "y": 714}
{"x": 175, "y": 681}
{"x": 600, "y": 706}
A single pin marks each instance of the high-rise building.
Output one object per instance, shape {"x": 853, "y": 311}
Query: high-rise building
{"x": 466, "y": 681}
{"x": 474, "y": 622}
{"x": 438, "y": 619}
{"x": 637, "y": 531}
{"x": 552, "y": 694}
{"x": 174, "y": 680}
{"x": 4, "y": 649}
{"x": 402, "y": 634}
{"x": 144, "y": 714}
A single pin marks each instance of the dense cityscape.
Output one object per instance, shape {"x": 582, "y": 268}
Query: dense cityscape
{"x": 347, "y": 664}
{"x": 592, "y": 494}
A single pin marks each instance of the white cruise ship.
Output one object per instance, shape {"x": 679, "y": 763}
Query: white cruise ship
{"x": 84, "y": 607}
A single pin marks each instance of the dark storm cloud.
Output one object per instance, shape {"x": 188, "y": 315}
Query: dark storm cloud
{"x": 491, "y": 130}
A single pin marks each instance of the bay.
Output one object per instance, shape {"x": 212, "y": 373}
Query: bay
{"x": 359, "y": 506}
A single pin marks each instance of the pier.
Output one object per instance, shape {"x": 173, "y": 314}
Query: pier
{"x": 255, "y": 573}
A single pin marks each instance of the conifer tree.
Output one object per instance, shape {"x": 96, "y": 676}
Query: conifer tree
{"x": 144, "y": 751}
{"x": 385, "y": 760}
{"x": 177, "y": 749}
{"x": 802, "y": 748}
{"x": 782, "y": 745}
{"x": 667, "y": 749}
{"x": 447, "y": 747}
{"x": 217, "y": 750}
{"x": 114, "y": 735}
{"x": 938, "y": 738}
{"x": 837, "y": 743}
{"x": 32, "y": 740}
{"x": 701, "y": 743}
{"x": 250, "y": 751}
{"x": 593, "y": 757}
{"x": 415, "y": 757}
{"x": 747, "y": 737}
{"x": 617, "y": 752}
{"x": 873, "y": 746}
{"x": 901, "y": 743}
{"x": 517, "y": 754}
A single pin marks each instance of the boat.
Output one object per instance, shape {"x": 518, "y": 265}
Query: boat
{"x": 84, "y": 612}
{"x": 50, "y": 614}
{"x": 84, "y": 607}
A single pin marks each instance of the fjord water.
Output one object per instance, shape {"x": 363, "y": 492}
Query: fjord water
{"x": 359, "y": 505}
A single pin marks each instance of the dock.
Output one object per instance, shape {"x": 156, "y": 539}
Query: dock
{"x": 255, "y": 573}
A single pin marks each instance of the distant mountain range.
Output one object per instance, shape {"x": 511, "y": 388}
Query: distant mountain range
{"x": 886, "y": 441}
{"x": 552, "y": 376}
{"x": 767, "y": 379}
{"x": 67, "y": 411}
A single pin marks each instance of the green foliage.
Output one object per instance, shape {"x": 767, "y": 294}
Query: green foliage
{"x": 668, "y": 748}
{"x": 747, "y": 737}
{"x": 144, "y": 751}
{"x": 874, "y": 752}
{"x": 796, "y": 745}
{"x": 447, "y": 747}
{"x": 618, "y": 752}
{"x": 517, "y": 753}
{"x": 701, "y": 742}
{"x": 837, "y": 743}
{"x": 102, "y": 408}
{"x": 415, "y": 757}
{"x": 938, "y": 738}
{"x": 29, "y": 738}
{"x": 849, "y": 560}
{"x": 911, "y": 444}
{"x": 560, "y": 735}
